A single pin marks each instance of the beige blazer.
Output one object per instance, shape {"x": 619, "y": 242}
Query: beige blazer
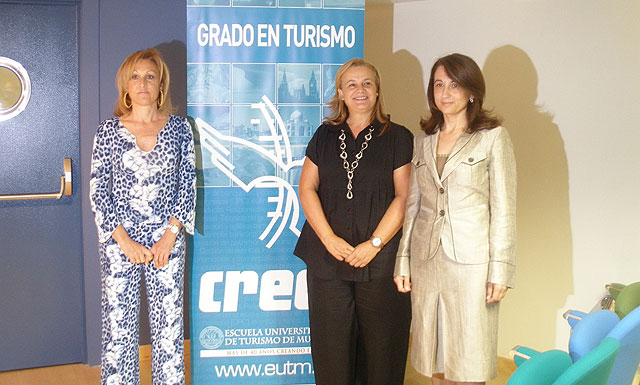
{"x": 470, "y": 209}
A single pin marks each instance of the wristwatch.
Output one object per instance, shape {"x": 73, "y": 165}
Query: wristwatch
{"x": 376, "y": 242}
{"x": 173, "y": 228}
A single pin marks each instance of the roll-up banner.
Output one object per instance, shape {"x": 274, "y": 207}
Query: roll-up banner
{"x": 259, "y": 73}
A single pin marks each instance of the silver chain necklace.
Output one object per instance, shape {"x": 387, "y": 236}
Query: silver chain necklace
{"x": 350, "y": 168}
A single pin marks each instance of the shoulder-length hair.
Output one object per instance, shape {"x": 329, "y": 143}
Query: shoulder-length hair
{"x": 464, "y": 71}
{"x": 126, "y": 70}
{"x": 339, "y": 111}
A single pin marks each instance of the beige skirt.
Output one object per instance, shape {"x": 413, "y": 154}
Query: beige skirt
{"x": 454, "y": 330}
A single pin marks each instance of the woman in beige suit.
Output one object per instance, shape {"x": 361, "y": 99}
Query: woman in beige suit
{"x": 457, "y": 253}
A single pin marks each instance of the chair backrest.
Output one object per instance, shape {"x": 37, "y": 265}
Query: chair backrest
{"x": 541, "y": 369}
{"x": 614, "y": 289}
{"x": 594, "y": 368}
{"x": 573, "y": 317}
{"x": 627, "y": 332}
{"x": 590, "y": 331}
{"x": 628, "y": 299}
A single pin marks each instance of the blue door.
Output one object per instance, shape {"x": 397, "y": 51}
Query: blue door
{"x": 41, "y": 276}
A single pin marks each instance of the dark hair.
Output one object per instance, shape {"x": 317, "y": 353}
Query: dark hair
{"x": 464, "y": 71}
{"x": 339, "y": 111}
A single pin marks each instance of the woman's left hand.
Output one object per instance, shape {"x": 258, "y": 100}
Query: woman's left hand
{"x": 362, "y": 254}
{"x": 495, "y": 292}
{"x": 162, "y": 249}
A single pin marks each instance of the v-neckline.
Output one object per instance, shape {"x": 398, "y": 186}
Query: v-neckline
{"x": 135, "y": 138}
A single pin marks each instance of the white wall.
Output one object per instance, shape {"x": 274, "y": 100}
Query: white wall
{"x": 565, "y": 75}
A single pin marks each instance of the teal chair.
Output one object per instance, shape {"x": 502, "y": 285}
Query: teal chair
{"x": 555, "y": 367}
{"x": 591, "y": 328}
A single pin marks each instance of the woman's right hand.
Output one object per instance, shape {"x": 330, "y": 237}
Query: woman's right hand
{"x": 338, "y": 247}
{"x": 403, "y": 283}
{"x": 133, "y": 250}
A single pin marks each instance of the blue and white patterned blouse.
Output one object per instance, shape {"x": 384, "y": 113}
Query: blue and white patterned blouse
{"x": 136, "y": 188}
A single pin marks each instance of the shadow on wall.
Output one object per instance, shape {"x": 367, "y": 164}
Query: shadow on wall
{"x": 174, "y": 54}
{"x": 544, "y": 262}
{"x": 400, "y": 72}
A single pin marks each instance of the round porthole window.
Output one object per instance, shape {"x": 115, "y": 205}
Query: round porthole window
{"x": 15, "y": 88}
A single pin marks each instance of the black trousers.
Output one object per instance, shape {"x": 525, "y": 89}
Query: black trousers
{"x": 359, "y": 331}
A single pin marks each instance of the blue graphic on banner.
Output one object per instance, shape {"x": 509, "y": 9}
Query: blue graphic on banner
{"x": 259, "y": 73}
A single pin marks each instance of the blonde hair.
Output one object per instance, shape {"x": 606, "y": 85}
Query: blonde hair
{"x": 340, "y": 112}
{"x": 126, "y": 70}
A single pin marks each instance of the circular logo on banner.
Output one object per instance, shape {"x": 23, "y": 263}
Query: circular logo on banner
{"x": 211, "y": 337}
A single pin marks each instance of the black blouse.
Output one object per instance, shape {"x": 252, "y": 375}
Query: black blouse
{"x": 373, "y": 191}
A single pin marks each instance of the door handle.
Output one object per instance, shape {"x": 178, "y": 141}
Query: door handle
{"x": 65, "y": 187}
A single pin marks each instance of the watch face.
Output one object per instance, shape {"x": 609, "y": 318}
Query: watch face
{"x": 376, "y": 241}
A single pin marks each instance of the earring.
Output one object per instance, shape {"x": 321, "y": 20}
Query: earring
{"x": 471, "y": 99}
{"x": 161, "y": 99}
{"x": 124, "y": 100}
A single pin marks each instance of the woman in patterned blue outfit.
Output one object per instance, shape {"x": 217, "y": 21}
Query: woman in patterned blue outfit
{"x": 142, "y": 194}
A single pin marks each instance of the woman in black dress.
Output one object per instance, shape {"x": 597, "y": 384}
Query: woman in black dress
{"x": 353, "y": 190}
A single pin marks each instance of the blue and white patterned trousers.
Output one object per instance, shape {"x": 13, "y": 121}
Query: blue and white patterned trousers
{"x": 121, "y": 309}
